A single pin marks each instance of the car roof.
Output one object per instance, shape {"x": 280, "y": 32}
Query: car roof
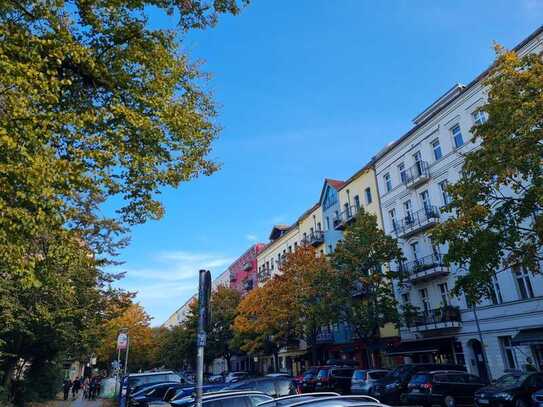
{"x": 295, "y": 396}
{"x": 439, "y": 372}
{"x": 151, "y": 373}
{"x": 349, "y": 400}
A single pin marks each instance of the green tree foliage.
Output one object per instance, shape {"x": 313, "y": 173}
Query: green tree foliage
{"x": 363, "y": 280}
{"x": 224, "y": 304}
{"x": 497, "y": 205}
{"x": 98, "y": 113}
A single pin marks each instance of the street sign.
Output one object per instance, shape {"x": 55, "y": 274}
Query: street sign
{"x": 122, "y": 341}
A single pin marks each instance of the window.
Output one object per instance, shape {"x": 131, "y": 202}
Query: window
{"x": 330, "y": 199}
{"x": 457, "y": 136}
{"x": 443, "y": 187}
{"x": 407, "y": 211}
{"x": 305, "y": 236}
{"x": 295, "y": 245}
{"x": 357, "y": 202}
{"x": 444, "y": 291}
{"x": 524, "y": 284}
{"x": 508, "y": 353}
{"x": 495, "y": 291}
{"x": 425, "y": 199}
{"x": 319, "y": 227}
{"x": 368, "y": 195}
{"x": 388, "y": 182}
{"x": 327, "y": 223}
{"x": 423, "y": 293}
{"x": 392, "y": 216}
{"x": 405, "y": 298}
{"x": 437, "y": 149}
{"x": 479, "y": 117}
{"x": 415, "y": 250}
{"x": 290, "y": 249}
{"x": 403, "y": 173}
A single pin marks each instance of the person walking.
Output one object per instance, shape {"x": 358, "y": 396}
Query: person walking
{"x": 66, "y": 388}
{"x": 76, "y": 385}
{"x": 86, "y": 388}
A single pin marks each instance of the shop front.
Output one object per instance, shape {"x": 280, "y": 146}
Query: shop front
{"x": 436, "y": 350}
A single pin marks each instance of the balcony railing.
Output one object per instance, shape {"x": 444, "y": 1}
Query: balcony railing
{"x": 325, "y": 337}
{"x": 315, "y": 238}
{"x": 345, "y": 217}
{"x": 441, "y": 318}
{"x": 263, "y": 275}
{"x": 416, "y": 175}
{"x": 424, "y": 268}
{"x": 416, "y": 222}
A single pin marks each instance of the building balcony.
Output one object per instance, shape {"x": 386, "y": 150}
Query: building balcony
{"x": 325, "y": 337}
{"x": 315, "y": 238}
{"x": 416, "y": 175}
{"x": 424, "y": 269}
{"x": 444, "y": 318}
{"x": 263, "y": 275}
{"x": 416, "y": 222}
{"x": 345, "y": 218}
{"x": 248, "y": 285}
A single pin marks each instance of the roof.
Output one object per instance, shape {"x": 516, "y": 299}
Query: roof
{"x": 277, "y": 231}
{"x": 359, "y": 172}
{"x": 458, "y": 94}
{"x": 337, "y": 184}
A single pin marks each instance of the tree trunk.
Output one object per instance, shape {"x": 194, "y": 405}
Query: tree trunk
{"x": 228, "y": 363}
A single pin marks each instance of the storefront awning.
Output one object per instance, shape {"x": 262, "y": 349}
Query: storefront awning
{"x": 527, "y": 337}
{"x": 420, "y": 346}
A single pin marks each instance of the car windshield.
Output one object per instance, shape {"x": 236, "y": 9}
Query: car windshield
{"x": 398, "y": 372}
{"x": 421, "y": 378}
{"x": 359, "y": 375}
{"x": 511, "y": 380}
{"x": 323, "y": 373}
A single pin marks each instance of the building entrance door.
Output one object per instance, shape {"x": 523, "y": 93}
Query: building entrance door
{"x": 479, "y": 360}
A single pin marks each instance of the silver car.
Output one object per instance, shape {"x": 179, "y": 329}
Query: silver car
{"x": 363, "y": 381}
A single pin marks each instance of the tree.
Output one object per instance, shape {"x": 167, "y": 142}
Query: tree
{"x": 496, "y": 206}
{"x": 363, "y": 280}
{"x": 304, "y": 294}
{"x": 224, "y": 303}
{"x": 98, "y": 113}
{"x": 140, "y": 334}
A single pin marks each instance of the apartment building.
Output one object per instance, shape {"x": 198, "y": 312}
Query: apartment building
{"x": 503, "y": 332}
{"x": 180, "y": 315}
{"x": 242, "y": 274}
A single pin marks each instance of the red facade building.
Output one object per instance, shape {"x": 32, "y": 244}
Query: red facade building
{"x": 243, "y": 272}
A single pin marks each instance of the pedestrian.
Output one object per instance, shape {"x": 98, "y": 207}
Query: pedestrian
{"x": 76, "y": 385}
{"x": 66, "y": 388}
{"x": 95, "y": 387}
{"x": 86, "y": 388}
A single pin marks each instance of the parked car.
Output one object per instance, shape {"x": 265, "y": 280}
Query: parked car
{"x": 309, "y": 379}
{"x": 336, "y": 379}
{"x": 135, "y": 381}
{"x": 446, "y": 388}
{"x": 233, "y": 377}
{"x": 278, "y": 375}
{"x": 324, "y": 400}
{"x": 272, "y": 386}
{"x": 215, "y": 378}
{"x": 151, "y": 392}
{"x": 537, "y": 399}
{"x": 392, "y": 389}
{"x": 510, "y": 390}
{"x": 363, "y": 381}
{"x": 176, "y": 393}
{"x": 222, "y": 399}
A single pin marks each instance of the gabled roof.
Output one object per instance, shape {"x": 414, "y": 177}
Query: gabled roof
{"x": 278, "y": 230}
{"x": 334, "y": 183}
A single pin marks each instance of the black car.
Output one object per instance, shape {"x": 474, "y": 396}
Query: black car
{"x": 272, "y": 386}
{"x": 537, "y": 398}
{"x": 153, "y": 392}
{"x": 392, "y": 389}
{"x": 335, "y": 379}
{"x": 510, "y": 390}
{"x": 446, "y": 388}
{"x": 309, "y": 379}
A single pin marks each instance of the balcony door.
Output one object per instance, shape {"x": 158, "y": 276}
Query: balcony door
{"x": 425, "y": 300}
{"x": 418, "y": 163}
{"x": 425, "y": 199}
{"x": 408, "y": 210}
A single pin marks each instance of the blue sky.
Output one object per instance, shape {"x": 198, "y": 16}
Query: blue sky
{"x": 307, "y": 89}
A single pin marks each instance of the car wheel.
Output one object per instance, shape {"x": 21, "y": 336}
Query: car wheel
{"x": 449, "y": 401}
{"x": 520, "y": 403}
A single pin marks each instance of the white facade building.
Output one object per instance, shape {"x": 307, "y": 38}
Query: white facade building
{"x": 411, "y": 174}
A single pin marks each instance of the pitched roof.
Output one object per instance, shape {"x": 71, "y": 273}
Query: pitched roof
{"x": 337, "y": 184}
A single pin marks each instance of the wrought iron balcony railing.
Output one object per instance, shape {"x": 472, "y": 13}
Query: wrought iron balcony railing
{"x": 415, "y": 222}
{"x": 345, "y": 217}
{"x": 441, "y": 318}
{"x": 416, "y": 174}
{"x": 315, "y": 238}
{"x": 424, "y": 268}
